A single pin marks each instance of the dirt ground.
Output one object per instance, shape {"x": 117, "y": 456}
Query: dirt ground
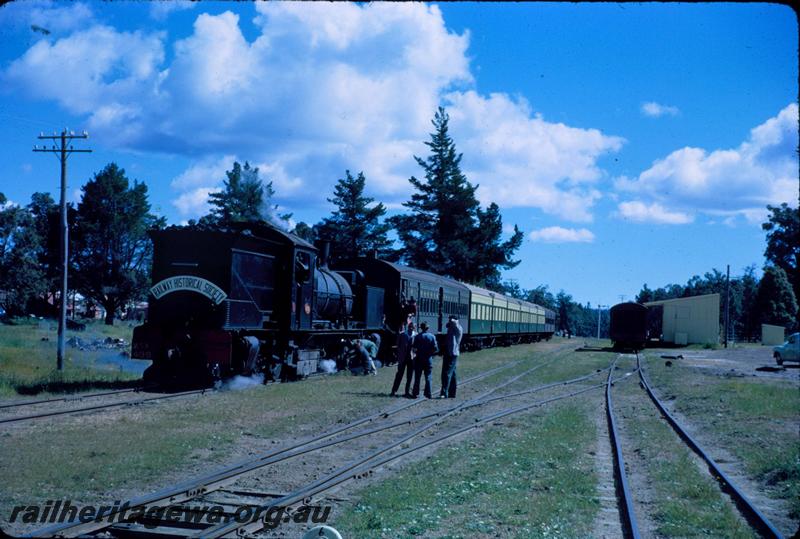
{"x": 748, "y": 360}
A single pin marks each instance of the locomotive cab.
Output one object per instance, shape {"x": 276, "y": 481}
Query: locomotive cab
{"x": 212, "y": 289}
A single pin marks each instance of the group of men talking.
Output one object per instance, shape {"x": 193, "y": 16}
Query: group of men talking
{"x": 415, "y": 353}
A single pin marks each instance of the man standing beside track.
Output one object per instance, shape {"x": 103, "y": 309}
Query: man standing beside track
{"x": 452, "y": 349}
{"x": 405, "y": 359}
{"x": 425, "y": 347}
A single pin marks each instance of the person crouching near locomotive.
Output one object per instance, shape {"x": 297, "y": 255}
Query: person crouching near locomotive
{"x": 425, "y": 347}
{"x": 405, "y": 359}
{"x": 363, "y": 356}
{"x": 452, "y": 349}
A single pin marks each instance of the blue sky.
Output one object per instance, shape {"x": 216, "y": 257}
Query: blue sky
{"x": 631, "y": 143}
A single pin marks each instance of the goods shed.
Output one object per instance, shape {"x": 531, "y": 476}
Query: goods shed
{"x": 692, "y": 320}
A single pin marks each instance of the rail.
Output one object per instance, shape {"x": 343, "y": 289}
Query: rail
{"x": 743, "y": 503}
{"x": 627, "y": 513}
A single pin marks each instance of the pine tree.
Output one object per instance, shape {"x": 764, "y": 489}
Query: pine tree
{"x": 354, "y": 229}
{"x": 244, "y": 198}
{"x": 493, "y": 253}
{"x": 304, "y": 231}
{"x": 241, "y": 198}
{"x": 445, "y": 230}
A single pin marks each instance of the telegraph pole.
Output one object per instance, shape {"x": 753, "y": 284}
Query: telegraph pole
{"x": 62, "y": 152}
{"x": 599, "y": 308}
{"x": 727, "y": 303}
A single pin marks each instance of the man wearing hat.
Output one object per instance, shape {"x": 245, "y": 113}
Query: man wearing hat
{"x": 452, "y": 345}
{"x": 425, "y": 347}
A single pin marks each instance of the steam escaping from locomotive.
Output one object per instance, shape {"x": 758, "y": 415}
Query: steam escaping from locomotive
{"x": 242, "y": 382}
{"x": 328, "y": 366}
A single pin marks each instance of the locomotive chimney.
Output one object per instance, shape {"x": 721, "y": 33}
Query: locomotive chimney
{"x": 325, "y": 252}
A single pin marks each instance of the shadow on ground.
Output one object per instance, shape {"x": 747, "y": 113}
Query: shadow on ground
{"x": 74, "y": 387}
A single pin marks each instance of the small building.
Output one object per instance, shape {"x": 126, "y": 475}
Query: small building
{"x": 772, "y": 335}
{"x": 692, "y": 320}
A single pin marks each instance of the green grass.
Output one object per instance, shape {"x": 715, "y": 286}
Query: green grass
{"x": 689, "y": 502}
{"x": 754, "y": 418}
{"x": 532, "y": 477}
{"x": 140, "y": 449}
{"x": 28, "y": 359}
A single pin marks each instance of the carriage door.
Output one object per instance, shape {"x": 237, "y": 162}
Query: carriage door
{"x": 441, "y": 307}
{"x": 304, "y": 280}
{"x": 402, "y": 303}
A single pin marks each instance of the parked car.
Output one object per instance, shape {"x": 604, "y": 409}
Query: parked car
{"x": 788, "y": 351}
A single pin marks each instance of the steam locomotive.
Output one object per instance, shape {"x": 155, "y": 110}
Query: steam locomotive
{"x": 253, "y": 298}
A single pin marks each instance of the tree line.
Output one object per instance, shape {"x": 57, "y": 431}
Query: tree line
{"x": 443, "y": 230}
{"x": 772, "y": 299}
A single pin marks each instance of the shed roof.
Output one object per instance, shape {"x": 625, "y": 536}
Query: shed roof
{"x": 681, "y": 300}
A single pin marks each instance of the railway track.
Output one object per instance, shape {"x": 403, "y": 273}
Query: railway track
{"x": 625, "y": 498}
{"x": 749, "y": 511}
{"x": 630, "y": 525}
{"x": 98, "y": 407}
{"x": 220, "y": 480}
{"x": 92, "y": 408}
{"x": 219, "y": 487}
{"x": 74, "y": 397}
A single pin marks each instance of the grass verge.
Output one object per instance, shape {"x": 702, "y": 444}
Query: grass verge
{"x": 688, "y": 502}
{"x": 754, "y": 418}
{"x": 532, "y": 477}
{"x": 28, "y": 359}
{"x": 131, "y": 450}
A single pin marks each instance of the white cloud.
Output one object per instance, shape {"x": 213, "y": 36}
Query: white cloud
{"x": 557, "y": 234}
{"x": 730, "y": 183}
{"x": 656, "y": 110}
{"x": 651, "y": 213}
{"x": 50, "y": 16}
{"x": 161, "y": 9}
{"x": 205, "y": 172}
{"x": 97, "y": 72}
{"x": 194, "y": 203}
{"x": 519, "y": 159}
{"x": 323, "y": 87}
